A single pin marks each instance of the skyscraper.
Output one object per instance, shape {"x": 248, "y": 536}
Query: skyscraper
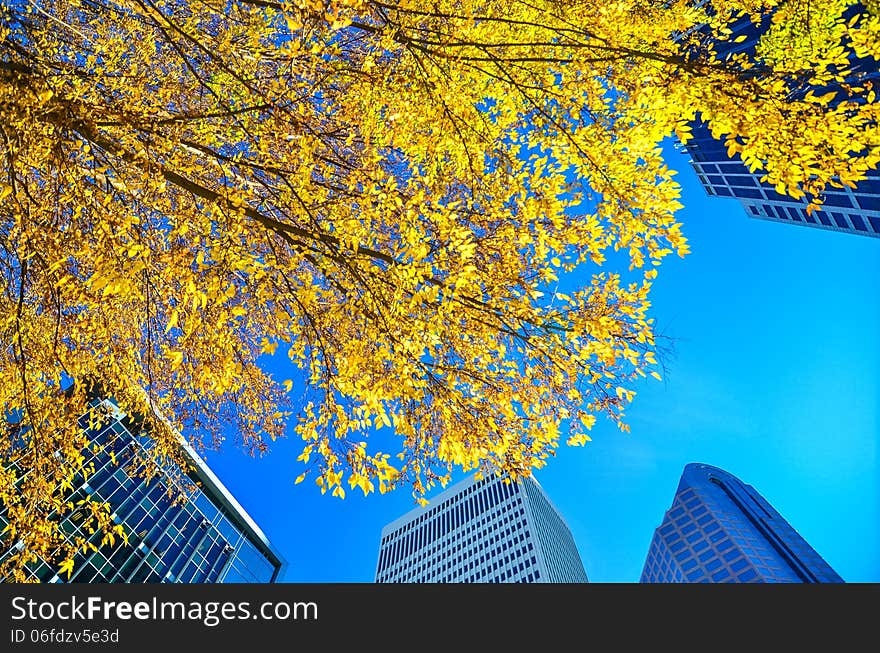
{"x": 720, "y": 530}
{"x": 851, "y": 210}
{"x": 481, "y": 531}
{"x": 206, "y": 539}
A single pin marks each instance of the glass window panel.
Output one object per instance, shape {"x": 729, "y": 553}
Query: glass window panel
{"x": 857, "y": 222}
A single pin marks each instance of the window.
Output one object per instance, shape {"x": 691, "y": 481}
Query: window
{"x": 747, "y": 575}
{"x": 720, "y": 575}
{"x": 840, "y": 220}
{"x": 741, "y": 180}
{"x": 731, "y": 555}
{"x": 705, "y": 519}
{"x": 712, "y": 565}
{"x": 739, "y": 565}
{"x": 684, "y": 555}
{"x": 831, "y": 199}
{"x": 752, "y": 193}
{"x": 857, "y": 222}
{"x": 706, "y": 555}
{"x": 695, "y": 574}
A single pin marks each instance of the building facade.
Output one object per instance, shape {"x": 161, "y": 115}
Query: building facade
{"x": 720, "y": 530}
{"x": 851, "y": 210}
{"x": 208, "y": 538}
{"x": 481, "y": 531}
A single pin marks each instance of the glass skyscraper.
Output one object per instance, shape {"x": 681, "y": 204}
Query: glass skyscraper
{"x": 851, "y": 210}
{"x": 208, "y": 538}
{"x": 481, "y": 531}
{"x": 720, "y": 530}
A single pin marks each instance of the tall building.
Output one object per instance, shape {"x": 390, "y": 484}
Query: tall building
{"x": 481, "y": 531}
{"x": 206, "y": 539}
{"x": 720, "y": 530}
{"x": 851, "y": 210}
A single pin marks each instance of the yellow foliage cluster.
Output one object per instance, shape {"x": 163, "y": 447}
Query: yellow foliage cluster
{"x": 387, "y": 192}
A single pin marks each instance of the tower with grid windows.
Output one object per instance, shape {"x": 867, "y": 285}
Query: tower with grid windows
{"x": 481, "y": 531}
{"x": 850, "y": 210}
{"x": 720, "y": 530}
{"x": 207, "y": 538}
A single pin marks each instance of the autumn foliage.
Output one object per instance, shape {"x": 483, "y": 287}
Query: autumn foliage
{"x": 388, "y": 193}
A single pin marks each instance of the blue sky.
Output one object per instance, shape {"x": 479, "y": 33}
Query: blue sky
{"x": 775, "y": 378}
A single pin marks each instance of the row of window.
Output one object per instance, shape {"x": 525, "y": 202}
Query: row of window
{"x": 701, "y": 564}
{"x": 479, "y": 532}
{"x": 511, "y": 568}
{"x": 457, "y": 498}
{"x": 847, "y": 221}
{"x": 734, "y": 173}
{"x": 439, "y": 522}
{"x": 480, "y": 543}
{"x": 854, "y": 203}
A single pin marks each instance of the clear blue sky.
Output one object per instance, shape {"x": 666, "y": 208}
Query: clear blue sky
{"x": 775, "y": 378}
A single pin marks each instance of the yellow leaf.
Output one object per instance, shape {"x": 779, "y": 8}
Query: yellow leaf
{"x": 172, "y": 321}
{"x": 176, "y": 359}
{"x": 66, "y": 566}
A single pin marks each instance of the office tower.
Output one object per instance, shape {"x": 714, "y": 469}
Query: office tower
{"x": 481, "y": 531}
{"x": 851, "y": 210}
{"x": 720, "y": 530}
{"x": 207, "y": 539}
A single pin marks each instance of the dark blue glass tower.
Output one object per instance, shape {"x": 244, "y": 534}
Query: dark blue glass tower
{"x": 851, "y": 210}
{"x": 720, "y": 530}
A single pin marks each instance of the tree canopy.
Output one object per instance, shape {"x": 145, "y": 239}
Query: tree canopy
{"x": 386, "y": 192}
